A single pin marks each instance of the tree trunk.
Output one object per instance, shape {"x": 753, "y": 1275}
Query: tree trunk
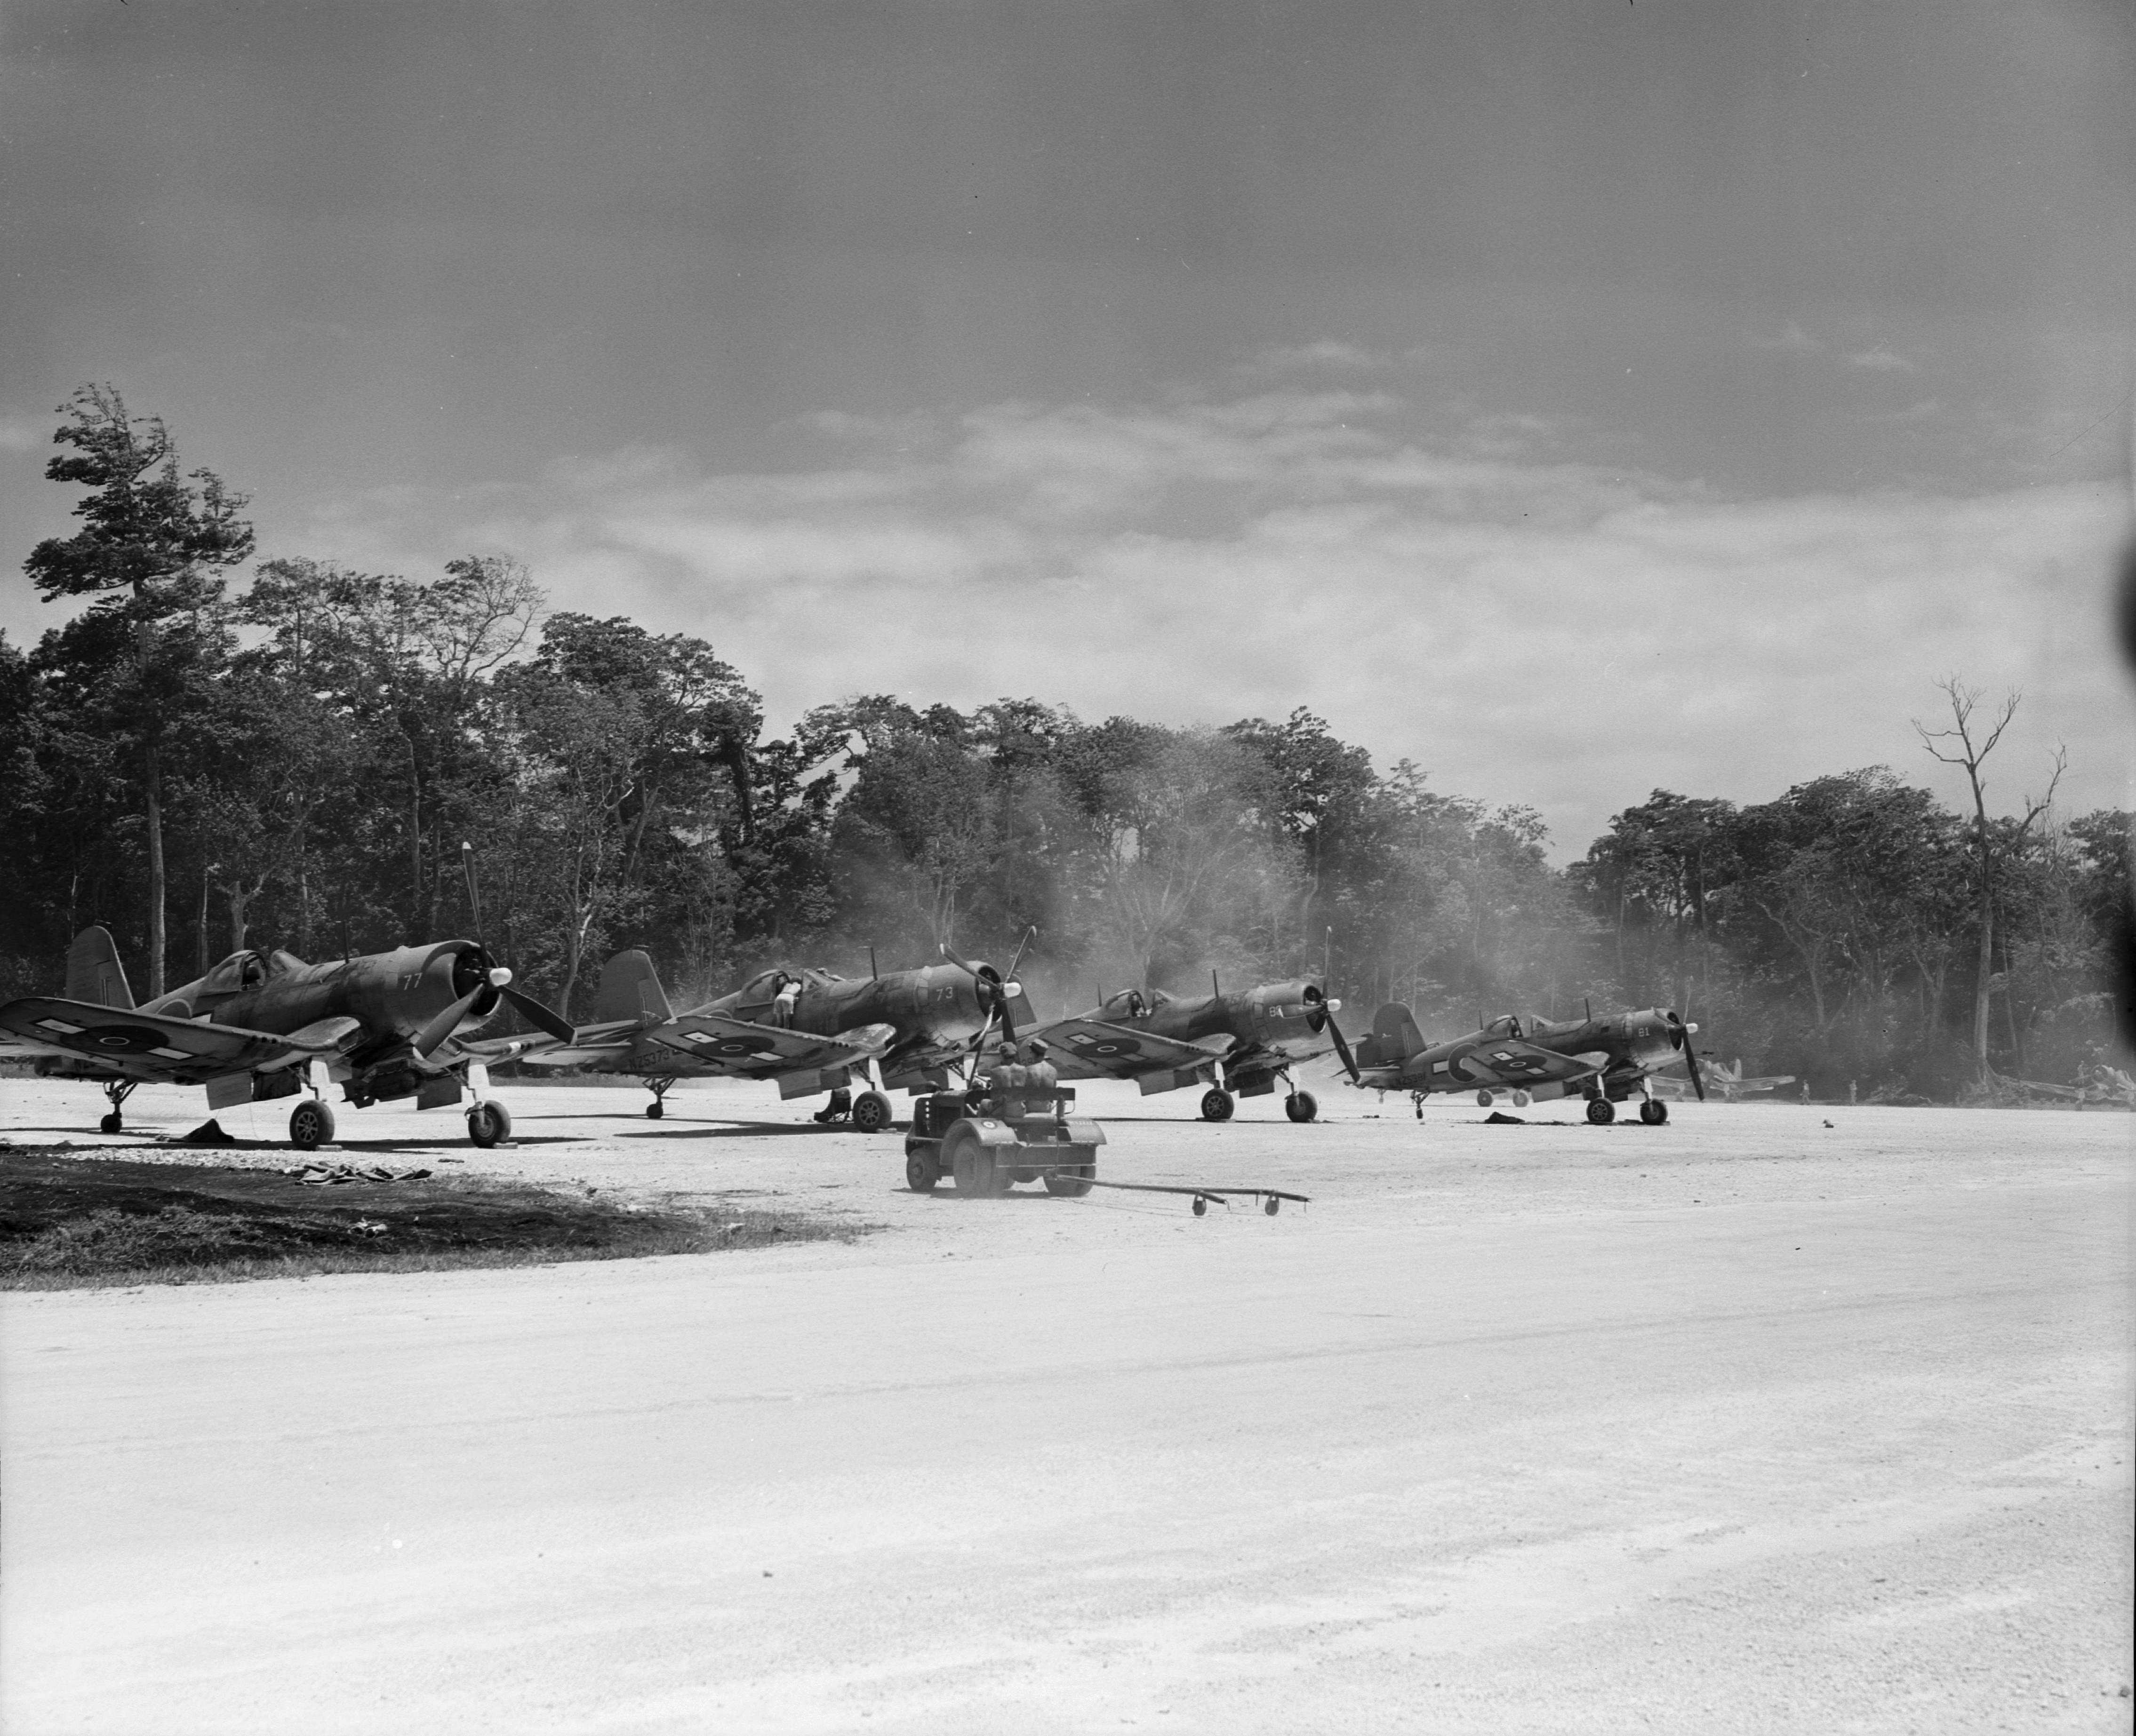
{"x": 200, "y": 925}
{"x": 154, "y": 781}
{"x": 1986, "y": 971}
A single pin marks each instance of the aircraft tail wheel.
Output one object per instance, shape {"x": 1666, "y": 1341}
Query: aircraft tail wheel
{"x": 1484, "y": 1100}
{"x": 1653, "y": 1112}
{"x": 488, "y": 1124}
{"x": 654, "y": 1111}
{"x": 1200, "y": 1206}
{"x": 871, "y": 1111}
{"x": 1601, "y": 1111}
{"x": 921, "y": 1171}
{"x": 1521, "y": 1099}
{"x": 1302, "y": 1106}
{"x": 111, "y": 1123}
{"x": 1271, "y": 1205}
{"x": 1217, "y": 1104}
{"x": 311, "y": 1125}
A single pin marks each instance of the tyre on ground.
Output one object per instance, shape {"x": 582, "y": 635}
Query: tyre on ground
{"x": 311, "y": 1125}
{"x": 1071, "y": 1185}
{"x": 1301, "y": 1106}
{"x": 1601, "y": 1111}
{"x": 971, "y": 1168}
{"x": 921, "y": 1170}
{"x": 871, "y": 1111}
{"x": 1217, "y": 1104}
{"x": 488, "y": 1124}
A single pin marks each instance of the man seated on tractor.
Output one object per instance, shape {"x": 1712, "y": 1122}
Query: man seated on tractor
{"x": 1005, "y": 1082}
{"x": 1039, "y": 1081}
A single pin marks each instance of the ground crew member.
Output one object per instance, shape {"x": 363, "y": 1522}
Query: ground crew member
{"x": 1039, "y": 1078}
{"x": 782, "y": 1009}
{"x": 1005, "y": 1081}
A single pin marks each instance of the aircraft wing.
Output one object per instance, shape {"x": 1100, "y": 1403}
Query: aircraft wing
{"x": 149, "y": 1046}
{"x": 741, "y": 1046}
{"x": 1092, "y": 1049}
{"x": 1506, "y": 1061}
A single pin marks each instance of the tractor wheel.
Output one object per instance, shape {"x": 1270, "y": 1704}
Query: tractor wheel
{"x": 1074, "y": 1186}
{"x": 1217, "y": 1104}
{"x": 871, "y": 1111}
{"x": 971, "y": 1168}
{"x": 1653, "y": 1112}
{"x": 921, "y": 1170}
{"x": 1601, "y": 1111}
{"x": 488, "y": 1124}
{"x": 1301, "y": 1106}
{"x": 311, "y": 1125}
{"x": 654, "y": 1110}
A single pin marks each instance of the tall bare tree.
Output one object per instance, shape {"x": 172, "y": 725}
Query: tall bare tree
{"x": 1960, "y": 747}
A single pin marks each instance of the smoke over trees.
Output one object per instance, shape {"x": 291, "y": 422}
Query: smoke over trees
{"x": 300, "y": 764}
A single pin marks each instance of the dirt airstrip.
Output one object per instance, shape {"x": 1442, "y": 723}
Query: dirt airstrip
{"x": 1750, "y": 1422}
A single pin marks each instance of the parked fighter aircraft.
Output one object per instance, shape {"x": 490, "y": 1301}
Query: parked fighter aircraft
{"x": 791, "y": 1026}
{"x": 1233, "y": 1044}
{"x": 1603, "y": 1059}
{"x": 262, "y": 1026}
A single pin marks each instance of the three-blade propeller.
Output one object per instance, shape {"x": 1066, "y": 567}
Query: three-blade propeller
{"x": 997, "y": 992}
{"x": 1680, "y": 1035}
{"x": 1320, "y": 1015}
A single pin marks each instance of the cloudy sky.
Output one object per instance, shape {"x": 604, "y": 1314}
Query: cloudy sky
{"x": 1575, "y": 398}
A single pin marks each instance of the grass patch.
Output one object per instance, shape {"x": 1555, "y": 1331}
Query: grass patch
{"x": 67, "y": 1223}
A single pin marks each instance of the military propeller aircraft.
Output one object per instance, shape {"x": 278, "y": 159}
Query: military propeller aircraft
{"x": 1605, "y": 1059}
{"x": 265, "y": 1024}
{"x": 1731, "y": 1087}
{"x": 808, "y": 1030}
{"x": 1237, "y": 1045}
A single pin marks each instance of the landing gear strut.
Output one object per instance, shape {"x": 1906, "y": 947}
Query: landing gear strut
{"x": 658, "y": 1086}
{"x": 488, "y": 1121}
{"x": 118, "y": 1090}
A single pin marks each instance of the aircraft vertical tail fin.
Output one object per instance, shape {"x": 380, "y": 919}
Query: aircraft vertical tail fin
{"x": 1395, "y": 1032}
{"x": 629, "y": 989}
{"x": 94, "y": 974}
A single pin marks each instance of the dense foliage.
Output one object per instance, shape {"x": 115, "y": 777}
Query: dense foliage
{"x": 298, "y": 763}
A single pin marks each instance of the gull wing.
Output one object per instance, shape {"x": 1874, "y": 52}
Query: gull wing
{"x": 1509, "y": 1061}
{"x": 1092, "y": 1049}
{"x": 151, "y": 1046}
{"x": 742, "y": 1047}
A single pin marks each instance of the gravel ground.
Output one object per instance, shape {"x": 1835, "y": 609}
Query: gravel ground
{"x": 1747, "y": 1424}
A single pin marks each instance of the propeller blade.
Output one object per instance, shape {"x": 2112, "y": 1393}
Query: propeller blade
{"x": 1682, "y": 1035}
{"x": 537, "y": 1015}
{"x": 475, "y": 891}
{"x": 448, "y": 1021}
{"x": 1029, "y": 935}
{"x": 968, "y": 968}
{"x": 1342, "y": 1048}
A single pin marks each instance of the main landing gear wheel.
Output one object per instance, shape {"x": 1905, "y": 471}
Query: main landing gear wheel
{"x": 1217, "y": 1104}
{"x": 1653, "y": 1112}
{"x": 1484, "y": 1100}
{"x": 311, "y": 1125}
{"x": 922, "y": 1172}
{"x": 1601, "y": 1111}
{"x": 871, "y": 1111}
{"x": 1301, "y": 1106}
{"x": 1072, "y": 1187}
{"x": 111, "y": 1123}
{"x": 488, "y": 1124}
{"x": 654, "y": 1110}
{"x": 1521, "y": 1099}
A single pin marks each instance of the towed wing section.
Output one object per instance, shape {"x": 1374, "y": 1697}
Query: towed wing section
{"x": 749, "y": 1050}
{"x": 1092, "y": 1049}
{"x": 151, "y": 1047}
{"x": 1508, "y": 1061}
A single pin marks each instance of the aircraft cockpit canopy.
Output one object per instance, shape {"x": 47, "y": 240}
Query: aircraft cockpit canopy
{"x": 234, "y": 975}
{"x": 1508, "y": 1026}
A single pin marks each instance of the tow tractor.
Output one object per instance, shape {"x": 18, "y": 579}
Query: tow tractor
{"x": 965, "y": 1135}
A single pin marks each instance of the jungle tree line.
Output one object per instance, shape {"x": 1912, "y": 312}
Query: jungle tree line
{"x": 296, "y": 761}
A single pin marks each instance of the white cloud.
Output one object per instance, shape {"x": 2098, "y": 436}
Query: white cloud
{"x": 1567, "y": 634}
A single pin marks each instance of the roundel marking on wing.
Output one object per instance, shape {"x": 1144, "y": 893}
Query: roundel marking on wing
{"x": 1106, "y": 1049}
{"x": 116, "y": 1039}
{"x": 730, "y": 1047}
